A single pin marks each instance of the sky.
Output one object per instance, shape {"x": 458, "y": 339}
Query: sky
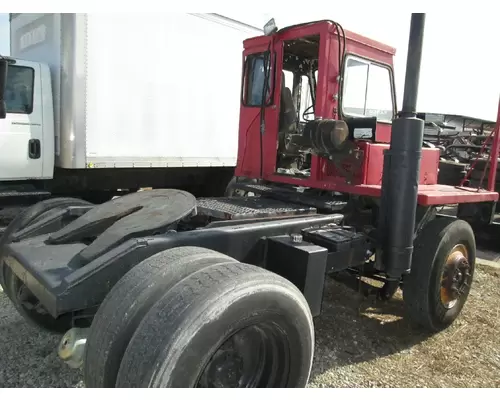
{"x": 4, "y": 34}
{"x": 459, "y": 73}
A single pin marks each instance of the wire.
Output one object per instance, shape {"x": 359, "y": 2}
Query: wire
{"x": 247, "y": 136}
{"x": 267, "y": 73}
{"x": 484, "y": 172}
{"x": 473, "y": 165}
{"x": 341, "y": 65}
{"x": 342, "y": 50}
{"x": 265, "y": 87}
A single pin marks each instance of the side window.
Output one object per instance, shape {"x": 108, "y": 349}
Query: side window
{"x": 367, "y": 90}
{"x": 306, "y": 100}
{"x": 254, "y": 80}
{"x": 19, "y": 89}
{"x": 288, "y": 79}
{"x": 354, "y": 93}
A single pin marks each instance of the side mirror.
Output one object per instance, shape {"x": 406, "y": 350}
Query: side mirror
{"x": 3, "y": 82}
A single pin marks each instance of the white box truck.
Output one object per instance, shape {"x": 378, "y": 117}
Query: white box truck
{"x": 100, "y": 103}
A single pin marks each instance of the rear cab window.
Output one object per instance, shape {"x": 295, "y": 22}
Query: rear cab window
{"x": 367, "y": 90}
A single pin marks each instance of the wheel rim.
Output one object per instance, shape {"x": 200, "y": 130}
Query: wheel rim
{"x": 257, "y": 356}
{"x": 456, "y": 276}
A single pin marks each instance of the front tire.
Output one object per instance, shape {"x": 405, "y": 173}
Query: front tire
{"x": 231, "y": 325}
{"x": 441, "y": 274}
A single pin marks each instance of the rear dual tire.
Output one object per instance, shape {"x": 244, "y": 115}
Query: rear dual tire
{"x": 129, "y": 300}
{"x": 208, "y": 321}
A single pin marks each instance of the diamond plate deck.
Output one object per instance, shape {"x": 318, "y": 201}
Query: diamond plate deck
{"x": 249, "y": 207}
{"x": 291, "y": 195}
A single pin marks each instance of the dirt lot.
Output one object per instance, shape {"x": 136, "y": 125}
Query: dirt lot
{"x": 364, "y": 344}
{"x": 359, "y": 344}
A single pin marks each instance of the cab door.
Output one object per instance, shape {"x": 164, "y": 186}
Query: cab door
{"x": 21, "y": 132}
{"x": 254, "y": 160}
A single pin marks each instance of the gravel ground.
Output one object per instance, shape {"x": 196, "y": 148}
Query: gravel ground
{"x": 28, "y": 356}
{"x": 364, "y": 344}
{"x": 359, "y": 343}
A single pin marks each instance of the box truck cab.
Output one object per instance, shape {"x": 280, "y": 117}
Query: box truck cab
{"x": 107, "y": 102}
{"x": 27, "y": 131}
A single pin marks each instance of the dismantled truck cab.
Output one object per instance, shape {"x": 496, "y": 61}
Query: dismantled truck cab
{"x": 324, "y": 120}
{"x": 313, "y": 71}
{"x": 160, "y": 289}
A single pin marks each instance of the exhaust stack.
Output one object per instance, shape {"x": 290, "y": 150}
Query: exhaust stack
{"x": 402, "y": 166}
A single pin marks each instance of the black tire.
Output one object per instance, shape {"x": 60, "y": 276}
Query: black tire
{"x": 129, "y": 300}
{"x": 200, "y": 317}
{"x": 422, "y": 288}
{"x": 13, "y": 286}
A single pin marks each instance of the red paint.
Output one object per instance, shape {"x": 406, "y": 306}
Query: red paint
{"x": 371, "y": 168}
{"x": 494, "y": 154}
{"x": 367, "y": 177}
{"x": 327, "y": 87}
{"x": 374, "y": 161}
{"x": 442, "y": 194}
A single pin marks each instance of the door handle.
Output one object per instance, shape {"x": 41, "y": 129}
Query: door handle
{"x": 34, "y": 148}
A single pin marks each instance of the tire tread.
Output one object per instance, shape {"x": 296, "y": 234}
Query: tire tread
{"x": 416, "y": 295}
{"x": 117, "y": 318}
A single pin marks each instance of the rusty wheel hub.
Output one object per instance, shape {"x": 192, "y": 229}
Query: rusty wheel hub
{"x": 456, "y": 276}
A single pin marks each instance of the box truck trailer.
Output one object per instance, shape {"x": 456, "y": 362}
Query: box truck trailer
{"x": 98, "y": 104}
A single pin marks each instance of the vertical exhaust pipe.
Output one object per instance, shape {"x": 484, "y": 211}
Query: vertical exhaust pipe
{"x": 402, "y": 167}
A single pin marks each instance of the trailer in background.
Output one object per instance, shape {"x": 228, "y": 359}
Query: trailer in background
{"x": 102, "y": 104}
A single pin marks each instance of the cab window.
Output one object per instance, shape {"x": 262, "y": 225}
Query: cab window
{"x": 301, "y": 94}
{"x": 19, "y": 89}
{"x": 306, "y": 101}
{"x": 367, "y": 90}
{"x": 253, "y": 84}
